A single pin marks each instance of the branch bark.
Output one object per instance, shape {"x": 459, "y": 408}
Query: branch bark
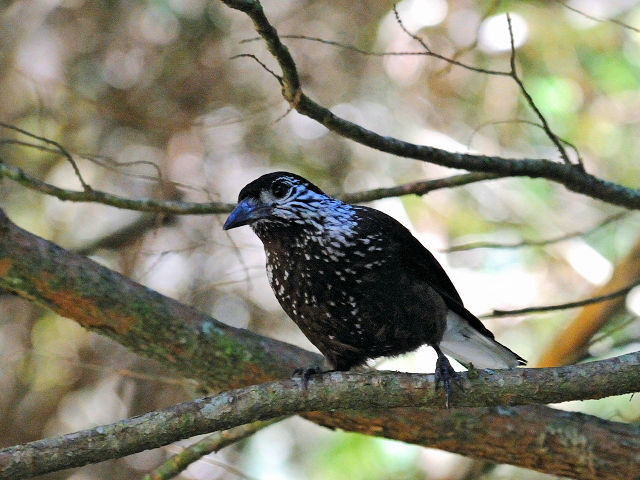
{"x": 223, "y": 357}
{"x": 370, "y": 391}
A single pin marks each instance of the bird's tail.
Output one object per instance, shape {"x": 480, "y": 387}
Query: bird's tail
{"x": 469, "y": 346}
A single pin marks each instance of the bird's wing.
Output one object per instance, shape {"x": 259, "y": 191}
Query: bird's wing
{"x": 418, "y": 259}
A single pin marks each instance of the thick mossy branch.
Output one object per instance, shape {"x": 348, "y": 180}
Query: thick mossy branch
{"x": 223, "y": 357}
{"x": 159, "y": 327}
{"x": 344, "y": 391}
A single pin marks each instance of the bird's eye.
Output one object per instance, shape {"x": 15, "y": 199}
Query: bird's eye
{"x": 279, "y": 190}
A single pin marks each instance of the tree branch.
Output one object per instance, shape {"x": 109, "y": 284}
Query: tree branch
{"x": 573, "y": 177}
{"x": 58, "y": 148}
{"x": 156, "y": 326}
{"x": 337, "y": 390}
{"x": 615, "y": 295}
{"x": 516, "y": 78}
{"x": 536, "y": 243}
{"x": 211, "y": 443}
{"x": 418, "y": 188}
{"x": 179, "y": 207}
{"x": 97, "y": 196}
{"x": 223, "y": 357}
{"x": 615, "y": 21}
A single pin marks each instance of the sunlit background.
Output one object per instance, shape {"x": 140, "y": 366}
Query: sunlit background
{"x": 148, "y": 96}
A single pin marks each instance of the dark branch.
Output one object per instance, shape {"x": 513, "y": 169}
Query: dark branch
{"x": 190, "y": 208}
{"x": 544, "y": 125}
{"x": 516, "y": 78}
{"x": 417, "y": 188}
{"x": 571, "y": 176}
{"x": 563, "y": 306}
{"x": 142, "y": 205}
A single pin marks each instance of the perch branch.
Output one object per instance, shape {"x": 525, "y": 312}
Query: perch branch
{"x": 369, "y": 391}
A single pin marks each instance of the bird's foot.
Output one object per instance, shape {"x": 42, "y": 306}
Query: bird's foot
{"x": 306, "y": 373}
{"x": 445, "y": 374}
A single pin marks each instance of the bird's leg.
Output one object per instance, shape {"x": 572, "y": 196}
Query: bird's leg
{"x": 306, "y": 372}
{"x": 444, "y": 374}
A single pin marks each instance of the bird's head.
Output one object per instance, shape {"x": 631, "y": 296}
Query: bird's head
{"x": 278, "y": 198}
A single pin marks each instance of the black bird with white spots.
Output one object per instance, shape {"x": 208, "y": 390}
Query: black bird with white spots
{"x": 357, "y": 282}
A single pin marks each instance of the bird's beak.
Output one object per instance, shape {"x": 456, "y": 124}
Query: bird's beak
{"x": 246, "y": 212}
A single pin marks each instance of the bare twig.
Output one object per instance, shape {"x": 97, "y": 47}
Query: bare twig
{"x": 257, "y": 60}
{"x": 192, "y": 208}
{"x": 562, "y": 306}
{"x": 545, "y": 125}
{"x": 598, "y": 19}
{"x": 417, "y": 188}
{"x": 433, "y": 54}
{"x": 115, "y": 166}
{"x": 361, "y": 51}
{"x": 526, "y": 122}
{"x": 537, "y": 243}
{"x": 212, "y": 443}
{"x": 97, "y": 196}
{"x": 451, "y": 61}
{"x": 102, "y": 161}
{"x": 511, "y": 73}
{"x": 488, "y": 12}
{"x": 60, "y": 149}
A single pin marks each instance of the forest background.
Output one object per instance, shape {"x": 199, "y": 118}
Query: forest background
{"x": 181, "y": 101}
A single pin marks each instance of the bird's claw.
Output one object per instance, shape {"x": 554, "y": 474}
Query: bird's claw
{"x": 305, "y": 373}
{"x": 444, "y": 375}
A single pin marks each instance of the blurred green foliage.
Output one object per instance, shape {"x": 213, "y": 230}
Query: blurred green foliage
{"x": 358, "y": 457}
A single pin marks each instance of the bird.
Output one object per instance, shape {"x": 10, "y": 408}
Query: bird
{"x": 357, "y": 283}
